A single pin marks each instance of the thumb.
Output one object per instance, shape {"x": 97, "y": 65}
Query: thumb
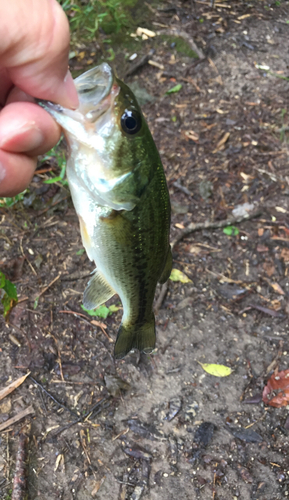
{"x": 34, "y": 49}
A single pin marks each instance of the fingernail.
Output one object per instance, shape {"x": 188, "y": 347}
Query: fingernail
{"x": 70, "y": 93}
{"x": 22, "y": 138}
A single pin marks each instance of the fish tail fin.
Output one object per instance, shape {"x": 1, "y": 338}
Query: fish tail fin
{"x": 140, "y": 336}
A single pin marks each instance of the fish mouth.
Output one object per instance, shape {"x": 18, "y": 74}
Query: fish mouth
{"x": 95, "y": 84}
{"x": 96, "y": 90}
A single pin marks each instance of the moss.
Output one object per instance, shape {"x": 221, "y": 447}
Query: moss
{"x": 181, "y": 46}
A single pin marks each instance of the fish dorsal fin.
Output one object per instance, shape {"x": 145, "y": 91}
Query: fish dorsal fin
{"x": 97, "y": 291}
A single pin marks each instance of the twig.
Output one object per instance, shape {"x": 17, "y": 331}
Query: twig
{"x": 52, "y": 397}
{"x": 161, "y": 296}
{"x": 214, "y": 225}
{"x": 182, "y": 188}
{"x": 48, "y": 286}
{"x": 82, "y": 317}
{"x": 185, "y": 36}
{"x": 141, "y": 62}
{"x": 197, "y": 227}
{"x": 51, "y": 206}
{"x": 28, "y": 261}
{"x": 82, "y": 417}
{"x": 17, "y": 417}
{"x": 19, "y": 481}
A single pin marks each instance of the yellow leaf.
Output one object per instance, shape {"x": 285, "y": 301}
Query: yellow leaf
{"x": 216, "y": 370}
{"x": 177, "y": 275}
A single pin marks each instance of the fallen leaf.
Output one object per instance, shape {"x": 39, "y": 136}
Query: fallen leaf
{"x": 269, "y": 269}
{"x": 247, "y": 178}
{"x": 97, "y": 485}
{"x": 81, "y": 55}
{"x": 247, "y": 435}
{"x": 265, "y": 310}
{"x": 195, "y": 249}
{"x": 277, "y": 383}
{"x": 262, "y": 248}
{"x": 102, "y": 311}
{"x": 204, "y": 434}
{"x": 137, "y": 452}
{"x": 231, "y": 231}
{"x": 190, "y": 134}
{"x": 174, "y": 89}
{"x": 277, "y": 288}
{"x": 216, "y": 370}
{"x": 245, "y": 474}
{"x": 177, "y": 275}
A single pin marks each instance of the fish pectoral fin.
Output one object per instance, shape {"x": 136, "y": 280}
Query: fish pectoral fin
{"x": 167, "y": 268}
{"x": 139, "y": 336}
{"x": 97, "y": 291}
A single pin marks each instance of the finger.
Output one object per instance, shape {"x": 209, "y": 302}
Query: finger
{"x": 34, "y": 49}
{"x": 27, "y": 128}
{"x": 18, "y": 95}
{"x": 5, "y": 84}
{"x": 16, "y": 172}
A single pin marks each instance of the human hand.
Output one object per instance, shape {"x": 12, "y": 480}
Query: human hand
{"x": 34, "y": 45}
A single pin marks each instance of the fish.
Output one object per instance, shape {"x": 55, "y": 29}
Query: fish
{"x": 119, "y": 191}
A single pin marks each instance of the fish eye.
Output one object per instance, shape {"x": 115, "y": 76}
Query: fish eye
{"x": 131, "y": 122}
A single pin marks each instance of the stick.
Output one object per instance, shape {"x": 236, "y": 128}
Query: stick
{"x": 197, "y": 227}
{"x": 214, "y": 225}
{"x": 48, "y": 286}
{"x": 83, "y": 417}
{"x": 52, "y": 397}
{"x": 17, "y": 417}
{"x": 135, "y": 67}
{"x": 19, "y": 481}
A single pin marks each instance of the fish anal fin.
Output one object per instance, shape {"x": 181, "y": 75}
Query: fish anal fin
{"x": 97, "y": 291}
{"x": 167, "y": 268}
{"x": 139, "y": 336}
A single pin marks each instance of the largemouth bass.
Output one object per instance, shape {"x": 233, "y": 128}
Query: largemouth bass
{"x": 119, "y": 191}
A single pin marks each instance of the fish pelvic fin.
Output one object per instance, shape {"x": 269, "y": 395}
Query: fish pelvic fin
{"x": 97, "y": 291}
{"x": 139, "y": 336}
{"x": 167, "y": 267}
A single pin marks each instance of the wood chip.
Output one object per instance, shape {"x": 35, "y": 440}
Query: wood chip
{"x": 222, "y": 142}
{"x": 156, "y": 64}
{"x": 146, "y": 32}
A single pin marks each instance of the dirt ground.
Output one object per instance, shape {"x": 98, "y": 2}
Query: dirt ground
{"x": 174, "y": 431}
